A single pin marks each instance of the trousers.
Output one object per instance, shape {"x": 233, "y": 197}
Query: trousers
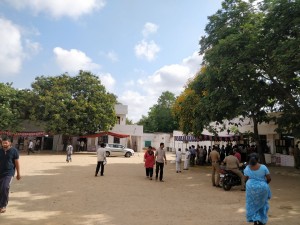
{"x": 100, "y": 164}
{"x": 4, "y": 190}
{"x": 159, "y": 169}
{"x": 149, "y": 172}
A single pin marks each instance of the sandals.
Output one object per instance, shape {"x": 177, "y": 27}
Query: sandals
{"x": 2, "y": 210}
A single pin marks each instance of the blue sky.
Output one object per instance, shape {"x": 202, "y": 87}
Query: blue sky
{"x": 138, "y": 48}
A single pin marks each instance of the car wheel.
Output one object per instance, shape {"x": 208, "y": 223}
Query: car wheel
{"x": 128, "y": 154}
{"x": 107, "y": 154}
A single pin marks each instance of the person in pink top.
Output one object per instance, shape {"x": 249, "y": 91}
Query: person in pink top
{"x": 149, "y": 160}
{"x": 237, "y": 154}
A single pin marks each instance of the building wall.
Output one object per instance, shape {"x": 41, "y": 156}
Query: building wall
{"x": 121, "y": 112}
{"x": 135, "y": 132}
{"x": 157, "y": 138}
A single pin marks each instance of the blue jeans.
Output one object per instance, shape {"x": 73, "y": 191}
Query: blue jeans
{"x": 4, "y": 190}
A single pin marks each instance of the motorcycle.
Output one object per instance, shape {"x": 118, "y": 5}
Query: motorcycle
{"x": 228, "y": 179}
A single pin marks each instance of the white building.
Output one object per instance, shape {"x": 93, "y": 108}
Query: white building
{"x": 133, "y": 140}
{"x": 278, "y": 144}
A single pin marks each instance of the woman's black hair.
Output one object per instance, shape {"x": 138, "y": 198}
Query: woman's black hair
{"x": 253, "y": 159}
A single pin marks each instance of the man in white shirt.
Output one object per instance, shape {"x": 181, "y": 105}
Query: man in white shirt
{"x": 101, "y": 159}
{"x": 160, "y": 156}
{"x": 178, "y": 160}
{"x": 30, "y": 147}
{"x": 187, "y": 159}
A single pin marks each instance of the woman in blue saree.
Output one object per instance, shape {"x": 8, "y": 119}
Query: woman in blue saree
{"x": 257, "y": 191}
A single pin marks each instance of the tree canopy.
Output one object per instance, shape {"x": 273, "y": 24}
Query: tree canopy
{"x": 73, "y": 105}
{"x": 251, "y": 66}
{"x": 9, "y": 110}
{"x": 160, "y": 117}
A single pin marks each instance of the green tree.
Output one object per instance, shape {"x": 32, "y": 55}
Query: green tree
{"x": 129, "y": 122}
{"x": 26, "y": 101}
{"x": 236, "y": 81}
{"x": 73, "y": 105}
{"x": 9, "y": 113}
{"x": 281, "y": 62}
{"x": 160, "y": 117}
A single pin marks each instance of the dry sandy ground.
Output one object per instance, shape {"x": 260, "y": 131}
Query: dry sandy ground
{"x": 52, "y": 191}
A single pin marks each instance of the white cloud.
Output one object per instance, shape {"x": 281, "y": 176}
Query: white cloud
{"x": 73, "y": 60}
{"x": 59, "y": 8}
{"x": 172, "y": 77}
{"x": 193, "y": 62}
{"x": 138, "y": 104}
{"x": 11, "y": 51}
{"x": 33, "y": 48}
{"x": 168, "y": 78}
{"x": 149, "y": 28}
{"x": 112, "y": 56}
{"x": 147, "y": 50}
{"x": 108, "y": 81}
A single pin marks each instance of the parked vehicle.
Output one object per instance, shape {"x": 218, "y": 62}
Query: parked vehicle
{"x": 228, "y": 179}
{"x": 118, "y": 150}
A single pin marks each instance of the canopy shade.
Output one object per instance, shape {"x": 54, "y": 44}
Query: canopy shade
{"x": 205, "y": 137}
{"x": 105, "y": 133}
{"x": 24, "y": 134}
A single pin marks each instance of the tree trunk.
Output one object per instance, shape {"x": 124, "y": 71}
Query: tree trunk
{"x": 257, "y": 141}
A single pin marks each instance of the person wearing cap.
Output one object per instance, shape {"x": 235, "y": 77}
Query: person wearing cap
{"x": 149, "y": 160}
{"x": 258, "y": 192}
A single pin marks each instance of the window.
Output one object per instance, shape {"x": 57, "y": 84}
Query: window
{"x": 147, "y": 143}
{"x": 116, "y": 140}
{"x": 103, "y": 139}
{"x": 118, "y": 120}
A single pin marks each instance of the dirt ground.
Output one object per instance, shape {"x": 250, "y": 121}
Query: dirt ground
{"x": 52, "y": 191}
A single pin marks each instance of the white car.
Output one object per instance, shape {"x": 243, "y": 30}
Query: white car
{"x": 118, "y": 150}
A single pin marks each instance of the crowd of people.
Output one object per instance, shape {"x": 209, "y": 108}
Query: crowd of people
{"x": 199, "y": 155}
{"x": 254, "y": 179}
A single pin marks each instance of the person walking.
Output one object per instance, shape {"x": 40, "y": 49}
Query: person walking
{"x": 149, "y": 160}
{"x": 187, "y": 159}
{"x": 30, "y": 147}
{"x": 101, "y": 159}
{"x": 161, "y": 159}
{"x": 214, "y": 158}
{"x": 69, "y": 151}
{"x": 178, "y": 160}
{"x": 9, "y": 163}
{"x": 258, "y": 192}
